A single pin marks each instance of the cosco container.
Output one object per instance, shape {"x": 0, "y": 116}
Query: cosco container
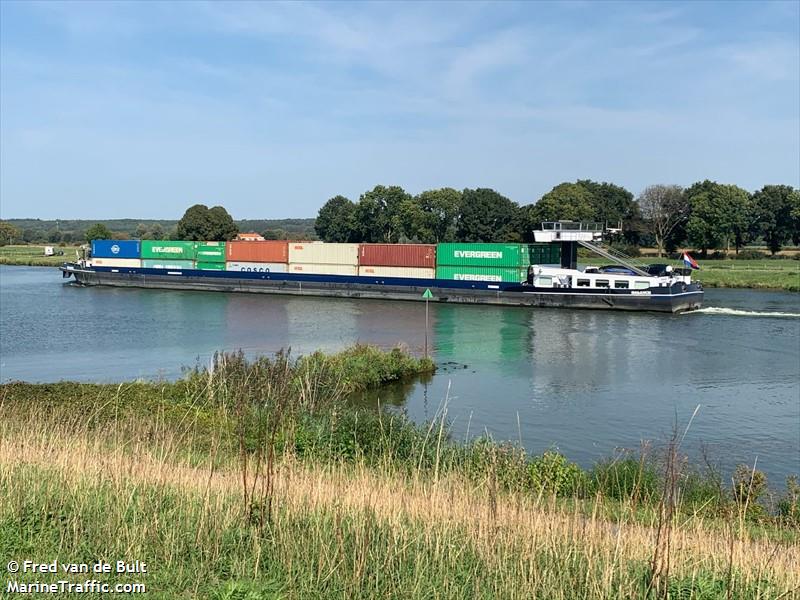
{"x": 544, "y": 254}
{"x": 410, "y": 272}
{"x": 116, "y": 248}
{"x": 397, "y": 255}
{"x": 482, "y": 255}
{"x": 130, "y": 263}
{"x": 210, "y": 266}
{"x": 177, "y": 265}
{"x": 169, "y": 250}
{"x": 257, "y": 267}
{"x": 263, "y": 251}
{"x": 323, "y": 254}
{"x": 504, "y": 274}
{"x": 318, "y": 269}
{"x": 210, "y": 252}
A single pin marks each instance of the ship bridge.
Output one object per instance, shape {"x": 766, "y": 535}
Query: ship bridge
{"x": 569, "y": 231}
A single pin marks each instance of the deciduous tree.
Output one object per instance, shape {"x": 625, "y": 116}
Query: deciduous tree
{"x": 98, "y": 231}
{"x": 565, "y": 202}
{"x": 8, "y": 233}
{"x": 487, "y": 216}
{"x": 664, "y": 208}
{"x": 202, "y": 223}
{"x": 772, "y": 207}
{"x": 336, "y": 221}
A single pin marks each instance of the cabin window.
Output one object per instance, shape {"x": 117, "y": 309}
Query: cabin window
{"x": 621, "y": 285}
{"x": 583, "y": 283}
{"x": 641, "y": 285}
{"x": 544, "y": 281}
{"x": 601, "y": 283}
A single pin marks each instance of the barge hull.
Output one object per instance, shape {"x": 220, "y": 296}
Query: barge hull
{"x": 679, "y": 298}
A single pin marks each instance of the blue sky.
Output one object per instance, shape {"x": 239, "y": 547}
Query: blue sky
{"x": 111, "y": 110}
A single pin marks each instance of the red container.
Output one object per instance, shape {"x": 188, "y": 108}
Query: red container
{"x": 397, "y": 255}
{"x": 267, "y": 251}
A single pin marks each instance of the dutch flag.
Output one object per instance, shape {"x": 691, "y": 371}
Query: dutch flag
{"x": 689, "y": 261}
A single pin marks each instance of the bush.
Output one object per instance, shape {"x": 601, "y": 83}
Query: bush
{"x": 627, "y": 249}
{"x": 751, "y": 254}
{"x": 748, "y": 485}
{"x": 789, "y": 505}
{"x": 552, "y": 473}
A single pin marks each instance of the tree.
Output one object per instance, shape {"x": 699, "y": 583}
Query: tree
{"x": 377, "y": 214}
{"x": 141, "y": 231}
{"x": 612, "y": 204}
{"x": 487, "y": 216}
{"x": 441, "y": 209}
{"x": 336, "y": 221}
{"x": 98, "y": 231}
{"x": 8, "y": 233}
{"x": 200, "y": 223}
{"x": 156, "y": 232}
{"x": 664, "y": 208}
{"x": 718, "y": 215}
{"x": 772, "y": 208}
{"x": 565, "y": 202}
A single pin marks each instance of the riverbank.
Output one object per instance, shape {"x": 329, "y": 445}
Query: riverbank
{"x": 258, "y": 479}
{"x": 33, "y": 256}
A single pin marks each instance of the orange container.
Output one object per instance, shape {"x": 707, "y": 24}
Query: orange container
{"x": 397, "y": 255}
{"x": 270, "y": 251}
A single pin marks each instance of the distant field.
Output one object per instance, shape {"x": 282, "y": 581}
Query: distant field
{"x": 34, "y": 255}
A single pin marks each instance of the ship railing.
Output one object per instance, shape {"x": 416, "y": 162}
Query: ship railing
{"x": 637, "y": 266}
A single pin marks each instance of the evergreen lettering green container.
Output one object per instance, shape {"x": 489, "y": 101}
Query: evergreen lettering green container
{"x": 210, "y": 266}
{"x": 497, "y": 274}
{"x": 165, "y": 249}
{"x": 544, "y": 254}
{"x": 167, "y": 263}
{"x": 208, "y": 252}
{"x": 482, "y": 255}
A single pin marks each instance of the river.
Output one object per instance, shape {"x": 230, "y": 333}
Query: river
{"x": 585, "y": 382}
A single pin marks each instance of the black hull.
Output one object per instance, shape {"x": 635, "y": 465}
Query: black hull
{"x": 679, "y": 298}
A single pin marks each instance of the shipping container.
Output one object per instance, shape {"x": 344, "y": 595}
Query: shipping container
{"x": 323, "y": 254}
{"x": 322, "y": 269}
{"x": 116, "y": 248}
{"x": 544, "y": 254}
{"x": 257, "y": 267}
{"x": 169, "y": 250}
{"x": 412, "y": 272}
{"x": 209, "y": 266}
{"x": 210, "y": 252}
{"x": 265, "y": 251}
{"x": 154, "y": 263}
{"x": 131, "y": 263}
{"x": 464, "y": 273}
{"x": 397, "y": 255}
{"x": 482, "y": 255}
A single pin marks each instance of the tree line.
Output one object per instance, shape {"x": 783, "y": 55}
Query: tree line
{"x": 707, "y": 215}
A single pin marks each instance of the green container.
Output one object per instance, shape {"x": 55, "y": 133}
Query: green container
{"x": 170, "y": 250}
{"x": 482, "y": 255}
{"x": 544, "y": 254}
{"x": 208, "y": 252}
{"x": 498, "y": 274}
{"x": 210, "y": 266}
{"x": 166, "y": 263}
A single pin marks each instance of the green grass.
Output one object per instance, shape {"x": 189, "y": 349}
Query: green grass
{"x": 362, "y": 503}
{"x": 34, "y": 255}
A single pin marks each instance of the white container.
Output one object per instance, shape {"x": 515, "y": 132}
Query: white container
{"x": 257, "y": 267}
{"x": 410, "y": 272}
{"x": 317, "y": 269}
{"x": 130, "y": 263}
{"x": 323, "y": 254}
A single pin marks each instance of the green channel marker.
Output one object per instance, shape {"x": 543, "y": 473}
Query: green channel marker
{"x": 427, "y": 294}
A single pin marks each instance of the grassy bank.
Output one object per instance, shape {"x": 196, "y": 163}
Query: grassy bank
{"x": 255, "y": 480}
{"x": 33, "y": 256}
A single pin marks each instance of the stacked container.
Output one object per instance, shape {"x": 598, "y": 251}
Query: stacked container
{"x": 257, "y": 256}
{"x": 116, "y": 253}
{"x": 323, "y": 259}
{"x": 416, "y": 261}
{"x": 210, "y": 256}
{"x": 482, "y": 262}
{"x": 168, "y": 254}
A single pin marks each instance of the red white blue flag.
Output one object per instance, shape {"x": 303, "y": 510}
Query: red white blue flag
{"x": 689, "y": 261}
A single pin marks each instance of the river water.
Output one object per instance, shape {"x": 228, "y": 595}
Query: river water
{"x": 585, "y": 382}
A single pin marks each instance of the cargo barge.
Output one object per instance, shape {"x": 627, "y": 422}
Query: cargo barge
{"x": 426, "y": 273}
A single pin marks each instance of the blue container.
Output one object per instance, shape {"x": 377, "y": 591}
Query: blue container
{"x": 116, "y": 248}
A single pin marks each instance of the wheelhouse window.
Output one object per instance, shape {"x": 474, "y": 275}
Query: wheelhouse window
{"x": 544, "y": 281}
{"x": 583, "y": 283}
{"x": 601, "y": 283}
{"x": 641, "y": 285}
{"x": 619, "y": 284}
